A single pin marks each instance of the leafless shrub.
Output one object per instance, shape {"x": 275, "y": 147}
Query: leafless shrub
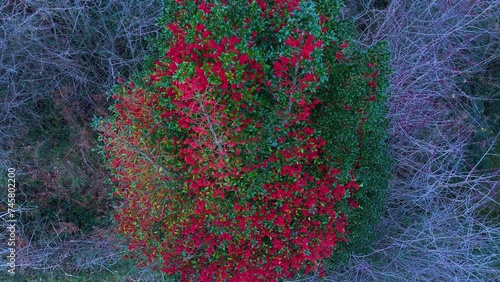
{"x": 82, "y": 252}
{"x": 66, "y": 54}
{"x": 75, "y": 48}
{"x": 439, "y": 224}
{"x": 59, "y": 247}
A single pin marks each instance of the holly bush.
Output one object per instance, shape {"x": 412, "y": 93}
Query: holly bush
{"x": 252, "y": 142}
